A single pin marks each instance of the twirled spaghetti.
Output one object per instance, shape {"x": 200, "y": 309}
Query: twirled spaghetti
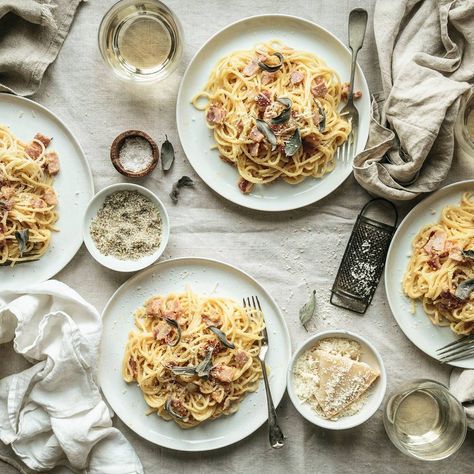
{"x": 244, "y": 88}
{"x": 193, "y": 357}
{"x": 27, "y": 198}
{"x": 443, "y": 259}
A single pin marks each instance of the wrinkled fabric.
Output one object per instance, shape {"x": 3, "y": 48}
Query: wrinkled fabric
{"x": 31, "y": 35}
{"x": 426, "y": 56}
{"x": 461, "y": 385}
{"x": 52, "y": 413}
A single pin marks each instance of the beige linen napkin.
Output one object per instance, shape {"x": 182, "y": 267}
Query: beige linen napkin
{"x": 461, "y": 385}
{"x": 31, "y": 35}
{"x": 426, "y": 55}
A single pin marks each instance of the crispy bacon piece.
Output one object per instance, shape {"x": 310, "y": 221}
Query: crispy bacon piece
{"x": 241, "y": 358}
{"x": 153, "y": 308}
{"x": 255, "y": 135}
{"x": 7, "y": 192}
{"x": 244, "y": 185}
{"x": 345, "y": 92}
{"x": 178, "y": 407}
{"x": 319, "y": 87}
{"x": 50, "y": 198}
{"x": 174, "y": 312}
{"x": 52, "y": 163}
{"x": 43, "y": 139}
{"x": 223, "y": 373}
{"x": 251, "y": 68}
{"x": 434, "y": 262}
{"x": 296, "y": 77}
{"x": 448, "y": 301}
{"x": 215, "y": 114}
{"x": 436, "y": 243}
{"x": 212, "y": 344}
{"x": 258, "y": 149}
{"x": 133, "y": 365}
{"x": 268, "y": 77}
{"x": 310, "y": 143}
{"x": 37, "y": 203}
{"x": 34, "y": 149}
{"x": 263, "y": 100}
{"x": 162, "y": 332}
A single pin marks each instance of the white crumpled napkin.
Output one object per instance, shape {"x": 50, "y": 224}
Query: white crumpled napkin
{"x": 461, "y": 385}
{"x": 52, "y": 413}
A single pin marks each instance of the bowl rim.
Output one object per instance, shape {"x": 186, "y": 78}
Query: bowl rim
{"x": 117, "y": 146}
{"x": 316, "y": 419}
{"x": 121, "y": 265}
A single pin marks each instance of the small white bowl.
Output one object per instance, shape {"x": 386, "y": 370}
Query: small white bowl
{"x": 370, "y": 355}
{"x": 108, "y": 260}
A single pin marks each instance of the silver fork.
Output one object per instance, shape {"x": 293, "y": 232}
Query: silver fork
{"x": 357, "y": 26}
{"x": 460, "y": 349}
{"x": 277, "y": 440}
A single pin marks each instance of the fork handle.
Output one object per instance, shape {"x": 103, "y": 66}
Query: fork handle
{"x": 275, "y": 435}
{"x": 357, "y": 27}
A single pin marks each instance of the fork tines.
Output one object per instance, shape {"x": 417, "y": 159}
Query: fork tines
{"x": 253, "y": 303}
{"x": 459, "y": 349}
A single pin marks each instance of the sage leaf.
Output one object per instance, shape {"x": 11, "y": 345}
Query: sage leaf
{"x": 205, "y": 366}
{"x": 285, "y": 114}
{"x": 322, "y": 119}
{"x": 265, "y": 129}
{"x": 190, "y": 370}
{"x": 464, "y": 289}
{"x": 170, "y": 410}
{"x": 468, "y": 254}
{"x": 307, "y": 311}
{"x": 182, "y": 182}
{"x": 173, "y": 323}
{"x": 275, "y": 68}
{"x": 293, "y": 144}
{"x": 222, "y": 337}
{"x": 167, "y": 155}
{"x": 22, "y": 237}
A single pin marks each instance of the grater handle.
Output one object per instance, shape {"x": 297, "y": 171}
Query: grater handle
{"x": 390, "y": 204}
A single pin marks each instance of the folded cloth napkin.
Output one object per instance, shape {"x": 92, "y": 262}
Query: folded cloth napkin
{"x": 32, "y": 33}
{"x": 52, "y": 413}
{"x": 461, "y": 385}
{"x": 426, "y": 56}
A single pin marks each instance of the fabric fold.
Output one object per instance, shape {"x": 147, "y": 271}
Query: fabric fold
{"x": 52, "y": 413}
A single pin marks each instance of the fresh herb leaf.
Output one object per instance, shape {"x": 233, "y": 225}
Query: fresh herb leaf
{"x": 174, "y": 323}
{"x": 464, "y": 289}
{"x": 468, "y": 254}
{"x": 170, "y": 410}
{"x": 322, "y": 119}
{"x": 285, "y": 114}
{"x": 22, "y": 237}
{"x": 183, "y": 181}
{"x": 205, "y": 366}
{"x": 222, "y": 337}
{"x": 265, "y": 129}
{"x": 275, "y": 68}
{"x": 167, "y": 155}
{"x": 293, "y": 144}
{"x": 190, "y": 370}
{"x": 307, "y": 311}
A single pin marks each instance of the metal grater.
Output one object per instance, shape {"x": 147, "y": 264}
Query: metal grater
{"x": 363, "y": 260}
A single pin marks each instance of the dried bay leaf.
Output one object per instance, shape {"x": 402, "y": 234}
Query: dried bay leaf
{"x": 307, "y": 311}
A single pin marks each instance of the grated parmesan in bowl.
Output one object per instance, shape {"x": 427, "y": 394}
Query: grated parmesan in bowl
{"x": 336, "y": 380}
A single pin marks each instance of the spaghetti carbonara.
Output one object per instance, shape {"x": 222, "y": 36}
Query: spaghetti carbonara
{"x": 441, "y": 269}
{"x": 274, "y": 113}
{"x": 27, "y": 198}
{"x": 193, "y": 357}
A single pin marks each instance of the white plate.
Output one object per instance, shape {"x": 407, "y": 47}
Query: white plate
{"x": 73, "y": 185}
{"x": 418, "y": 327}
{"x": 108, "y": 260}
{"x": 197, "y": 139}
{"x": 369, "y": 355}
{"x": 205, "y": 277}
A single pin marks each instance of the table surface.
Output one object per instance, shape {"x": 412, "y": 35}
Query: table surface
{"x": 289, "y": 253}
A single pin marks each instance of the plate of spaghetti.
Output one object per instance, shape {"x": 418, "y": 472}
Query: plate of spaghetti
{"x": 429, "y": 274}
{"x": 45, "y": 185}
{"x": 179, "y": 357}
{"x": 258, "y": 112}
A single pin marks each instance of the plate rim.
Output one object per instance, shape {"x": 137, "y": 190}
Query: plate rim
{"x": 277, "y": 399}
{"x": 179, "y": 99}
{"x": 427, "y": 201}
{"x": 31, "y": 103}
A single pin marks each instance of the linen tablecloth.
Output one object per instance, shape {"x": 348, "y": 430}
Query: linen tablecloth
{"x": 289, "y": 253}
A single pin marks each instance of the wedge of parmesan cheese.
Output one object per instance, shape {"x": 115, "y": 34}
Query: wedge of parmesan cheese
{"x": 342, "y": 381}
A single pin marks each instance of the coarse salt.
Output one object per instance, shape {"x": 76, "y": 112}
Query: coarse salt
{"x": 135, "y": 154}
